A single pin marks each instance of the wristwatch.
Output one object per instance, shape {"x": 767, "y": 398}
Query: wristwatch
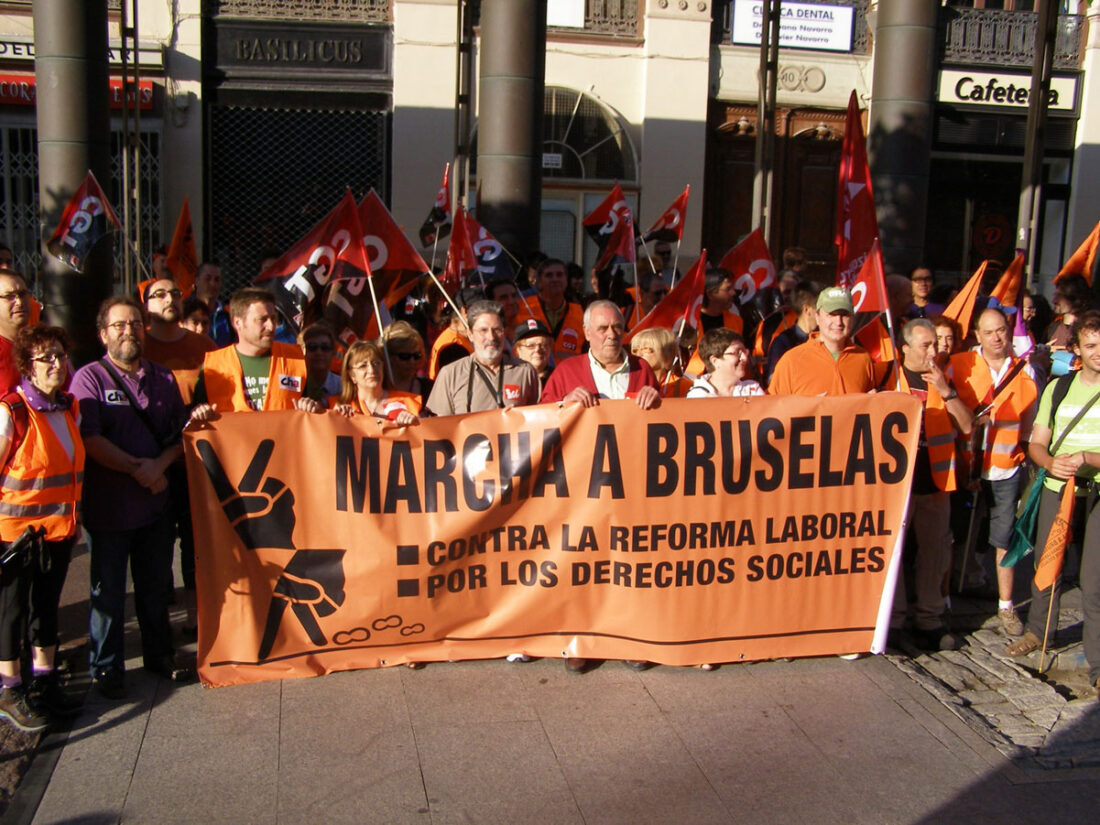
{"x": 950, "y": 395}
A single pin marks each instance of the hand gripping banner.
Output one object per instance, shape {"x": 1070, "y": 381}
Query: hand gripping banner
{"x": 710, "y": 530}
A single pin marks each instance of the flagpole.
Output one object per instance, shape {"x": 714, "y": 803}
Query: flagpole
{"x": 675, "y": 262}
{"x": 638, "y": 292}
{"x": 435, "y": 245}
{"x": 133, "y": 249}
{"x": 894, "y": 349}
{"x": 1050, "y": 609}
{"x": 447, "y": 297}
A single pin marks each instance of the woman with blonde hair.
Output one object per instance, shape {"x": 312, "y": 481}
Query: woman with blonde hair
{"x": 365, "y": 390}
{"x": 658, "y": 347}
{"x": 405, "y": 351}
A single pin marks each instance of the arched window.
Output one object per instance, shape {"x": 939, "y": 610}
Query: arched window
{"x": 582, "y": 140}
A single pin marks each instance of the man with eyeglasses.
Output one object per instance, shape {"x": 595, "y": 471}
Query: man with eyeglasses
{"x": 257, "y": 372}
{"x": 534, "y": 345}
{"x": 15, "y": 308}
{"x": 319, "y": 344}
{"x": 131, "y": 418}
{"x": 182, "y": 351}
{"x": 652, "y": 291}
{"x": 167, "y": 343}
{"x": 489, "y": 378}
{"x": 921, "y": 288}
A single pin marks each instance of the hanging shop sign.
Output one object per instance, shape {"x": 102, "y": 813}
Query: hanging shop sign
{"x": 802, "y": 25}
{"x": 19, "y": 90}
{"x": 964, "y": 87}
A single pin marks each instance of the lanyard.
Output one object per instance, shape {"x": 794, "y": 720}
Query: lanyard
{"x": 497, "y": 392}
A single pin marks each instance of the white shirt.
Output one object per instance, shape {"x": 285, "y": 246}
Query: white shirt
{"x": 611, "y": 385}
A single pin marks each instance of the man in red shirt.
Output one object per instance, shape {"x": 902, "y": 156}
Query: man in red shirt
{"x": 15, "y": 309}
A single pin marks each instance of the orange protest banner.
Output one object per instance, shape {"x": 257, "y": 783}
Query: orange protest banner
{"x": 709, "y": 530}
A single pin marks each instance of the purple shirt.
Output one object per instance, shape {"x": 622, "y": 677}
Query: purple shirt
{"x": 113, "y": 500}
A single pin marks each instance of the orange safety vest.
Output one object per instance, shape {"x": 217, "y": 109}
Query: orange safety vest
{"x": 446, "y": 338}
{"x": 40, "y": 485}
{"x": 223, "y": 378}
{"x": 940, "y": 435}
{"x": 569, "y": 338}
{"x": 974, "y": 383}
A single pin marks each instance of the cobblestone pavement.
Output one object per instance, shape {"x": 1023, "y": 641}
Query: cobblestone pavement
{"x": 1046, "y": 721}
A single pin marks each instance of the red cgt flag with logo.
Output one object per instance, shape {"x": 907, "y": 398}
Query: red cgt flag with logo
{"x": 856, "y": 223}
{"x": 750, "y": 264}
{"x": 670, "y": 226}
{"x": 87, "y": 219}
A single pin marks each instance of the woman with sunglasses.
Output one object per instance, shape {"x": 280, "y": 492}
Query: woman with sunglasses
{"x": 405, "y": 351}
{"x": 366, "y": 390}
{"x": 42, "y": 461}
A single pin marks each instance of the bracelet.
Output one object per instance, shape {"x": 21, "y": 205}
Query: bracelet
{"x": 951, "y": 395}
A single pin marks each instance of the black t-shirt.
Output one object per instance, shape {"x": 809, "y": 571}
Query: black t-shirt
{"x": 923, "y": 483}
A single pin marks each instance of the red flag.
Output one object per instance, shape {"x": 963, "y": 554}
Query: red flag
{"x": 492, "y": 261}
{"x": 670, "y": 226}
{"x": 602, "y": 221}
{"x": 87, "y": 219}
{"x": 1012, "y": 280}
{"x": 751, "y": 265}
{"x": 875, "y": 338}
{"x": 856, "y": 224}
{"x": 182, "y": 260}
{"x": 961, "y": 308}
{"x": 325, "y": 275}
{"x": 438, "y": 223}
{"x": 1049, "y": 566}
{"x": 1083, "y": 261}
{"x": 620, "y": 247}
{"x": 460, "y": 255}
{"x": 682, "y": 303}
{"x": 869, "y": 287}
{"x": 395, "y": 265}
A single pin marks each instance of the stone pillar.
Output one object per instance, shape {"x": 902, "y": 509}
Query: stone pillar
{"x": 509, "y": 133}
{"x": 70, "y": 42}
{"x": 899, "y": 133}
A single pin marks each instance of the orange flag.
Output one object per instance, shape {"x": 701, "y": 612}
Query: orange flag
{"x": 1083, "y": 261}
{"x": 182, "y": 261}
{"x": 1049, "y": 566}
{"x": 1008, "y": 288}
{"x": 961, "y": 308}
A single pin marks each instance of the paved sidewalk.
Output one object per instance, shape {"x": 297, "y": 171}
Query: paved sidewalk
{"x": 816, "y": 741}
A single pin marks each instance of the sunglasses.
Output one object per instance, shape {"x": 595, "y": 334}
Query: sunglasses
{"x": 406, "y": 356}
{"x": 318, "y": 347}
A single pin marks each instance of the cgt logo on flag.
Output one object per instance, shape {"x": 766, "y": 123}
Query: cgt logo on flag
{"x": 260, "y": 509}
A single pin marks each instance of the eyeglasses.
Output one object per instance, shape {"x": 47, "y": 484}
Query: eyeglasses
{"x": 659, "y": 293}
{"x": 366, "y": 365}
{"x": 49, "y": 358}
{"x": 406, "y": 356}
{"x": 532, "y": 345}
{"x": 15, "y": 295}
{"x": 319, "y": 347}
{"x": 161, "y": 294}
{"x": 736, "y": 354}
{"x": 122, "y": 326}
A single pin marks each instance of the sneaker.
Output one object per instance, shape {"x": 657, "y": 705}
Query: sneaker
{"x": 518, "y": 657}
{"x": 13, "y": 707}
{"x": 1011, "y": 622}
{"x": 47, "y": 696}
{"x": 110, "y": 683}
{"x": 637, "y": 664}
{"x": 575, "y": 665}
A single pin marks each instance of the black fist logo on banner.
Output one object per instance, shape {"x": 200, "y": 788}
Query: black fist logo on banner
{"x": 261, "y": 511}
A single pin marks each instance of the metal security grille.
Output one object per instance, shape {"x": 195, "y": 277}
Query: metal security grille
{"x": 151, "y": 226}
{"x": 19, "y": 203}
{"x": 19, "y": 227}
{"x": 275, "y": 172}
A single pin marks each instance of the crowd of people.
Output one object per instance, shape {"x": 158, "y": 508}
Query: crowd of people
{"x": 100, "y": 449}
